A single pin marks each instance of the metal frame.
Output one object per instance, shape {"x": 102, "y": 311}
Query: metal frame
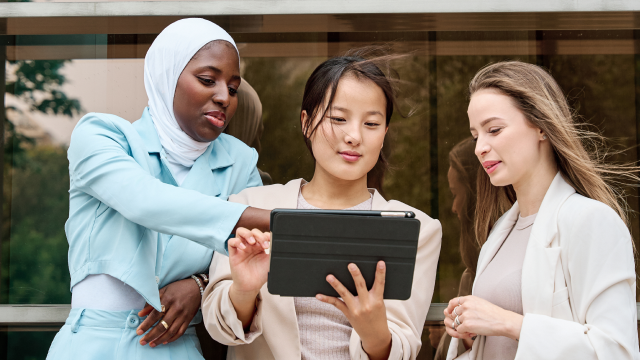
{"x": 284, "y": 7}
{"x": 52, "y": 317}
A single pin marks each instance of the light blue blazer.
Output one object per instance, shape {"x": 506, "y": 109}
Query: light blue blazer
{"x": 125, "y": 205}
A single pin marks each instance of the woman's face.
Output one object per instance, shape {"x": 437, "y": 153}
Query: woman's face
{"x": 205, "y": 98}
{"x": 457, "y": 190}
{"x": 348, "y": 142}
{"x": 509, "y": 148}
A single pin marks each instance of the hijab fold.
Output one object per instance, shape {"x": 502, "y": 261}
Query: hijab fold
{"x": 167, "y": 57}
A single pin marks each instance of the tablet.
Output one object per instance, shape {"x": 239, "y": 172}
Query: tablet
{"x": 308, "y": 245}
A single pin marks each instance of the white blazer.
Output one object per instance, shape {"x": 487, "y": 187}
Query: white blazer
{"x": 578, "y": 281}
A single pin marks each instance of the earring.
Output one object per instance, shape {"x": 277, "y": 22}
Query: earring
{"x": 544, "y": 137}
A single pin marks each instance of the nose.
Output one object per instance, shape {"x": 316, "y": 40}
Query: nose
{"x": 353, "y": 135}
{"x": 482, "y": 148}
{"x": 221, "y": 95}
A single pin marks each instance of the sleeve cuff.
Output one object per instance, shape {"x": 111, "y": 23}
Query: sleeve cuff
{"x": 230, "y": 318}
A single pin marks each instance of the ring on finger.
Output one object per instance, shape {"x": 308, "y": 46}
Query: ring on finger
{"x": 453, "y": 325}
{"x": 454, "y": 310}
{"x": 457, "y": 321}
{"x": 459, "y": 301}
{"x": 164, "y": 323}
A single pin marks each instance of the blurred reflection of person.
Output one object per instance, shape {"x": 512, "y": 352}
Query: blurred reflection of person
{"x": 247, "y": 125}
{"x": 148, "y": 205}
{"x": 462, "y": 175}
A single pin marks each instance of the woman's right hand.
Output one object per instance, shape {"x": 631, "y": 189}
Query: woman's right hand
{"x": 249, "y": 263}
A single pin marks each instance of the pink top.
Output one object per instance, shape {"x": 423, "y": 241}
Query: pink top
{"x": 501, "y": 284}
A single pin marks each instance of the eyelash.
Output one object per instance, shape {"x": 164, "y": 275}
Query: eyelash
{"x": 494, "y": 131}
{"x": 209, "y": 82}
{"x": 341, "y": 120}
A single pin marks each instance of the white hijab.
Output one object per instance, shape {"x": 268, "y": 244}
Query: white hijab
{"x": 167, "y": 57}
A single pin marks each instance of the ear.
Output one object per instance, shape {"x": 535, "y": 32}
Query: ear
{"x": 543, "y": 136}
{"x": 304, "y": 117}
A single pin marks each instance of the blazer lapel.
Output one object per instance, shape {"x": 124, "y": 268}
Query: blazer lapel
{"x": 542, "y": 255}
{"x": 499, "y": 234}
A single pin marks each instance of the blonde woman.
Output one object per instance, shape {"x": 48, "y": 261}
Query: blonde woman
{"x": 556, "y": 276}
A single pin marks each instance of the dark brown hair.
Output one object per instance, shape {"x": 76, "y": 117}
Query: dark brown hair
{"x": 321, "y": 89}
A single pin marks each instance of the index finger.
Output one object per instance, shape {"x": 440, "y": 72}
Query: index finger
{"x": 378, "y": 285}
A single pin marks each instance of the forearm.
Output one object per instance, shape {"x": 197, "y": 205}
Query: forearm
{"x": 254, "y": 218}
{"x": 244, "y": 305}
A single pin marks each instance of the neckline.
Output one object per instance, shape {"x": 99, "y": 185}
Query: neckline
{"x": 525, "y": 222}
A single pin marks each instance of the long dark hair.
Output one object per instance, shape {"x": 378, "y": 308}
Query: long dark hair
{"x": 323, "y": 82}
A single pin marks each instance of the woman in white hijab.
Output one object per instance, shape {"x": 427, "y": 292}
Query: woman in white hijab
{"x": 148, "y": 203}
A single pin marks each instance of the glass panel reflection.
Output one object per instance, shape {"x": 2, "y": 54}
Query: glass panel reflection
{"x": 431, "y": 157}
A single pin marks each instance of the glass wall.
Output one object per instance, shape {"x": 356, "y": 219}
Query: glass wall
{"x": 57, "y": 70}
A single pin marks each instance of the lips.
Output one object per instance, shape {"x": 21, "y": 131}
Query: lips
{"x": 216, "y": 118}
{"x": 350, "y": 156}
{"x": 491, "y": 166}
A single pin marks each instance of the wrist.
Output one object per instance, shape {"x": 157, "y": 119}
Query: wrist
{"x": 240, "y": 298}
{"x": 513, "y": 326}
{"x": 378, "y": 348}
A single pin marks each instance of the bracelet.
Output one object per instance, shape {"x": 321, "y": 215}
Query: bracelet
{"x": 199, "y": 284}
{"x": 205, "y": 278}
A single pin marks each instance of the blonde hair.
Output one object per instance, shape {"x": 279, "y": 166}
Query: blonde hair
{"x": 579, "y": 153}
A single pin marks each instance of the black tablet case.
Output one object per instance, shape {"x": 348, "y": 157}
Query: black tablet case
{"x": 308, "y": 245}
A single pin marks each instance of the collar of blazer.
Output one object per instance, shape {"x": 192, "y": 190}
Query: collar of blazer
{"x": 543, "y": 252}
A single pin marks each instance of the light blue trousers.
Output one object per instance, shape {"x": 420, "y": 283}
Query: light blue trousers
{"x": 100, "y": 335}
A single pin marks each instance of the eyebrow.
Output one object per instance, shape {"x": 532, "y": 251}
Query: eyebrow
{"x": 218, "y": 71}
{"x": 486, "y": 121}
{"x": 371, "y": 112}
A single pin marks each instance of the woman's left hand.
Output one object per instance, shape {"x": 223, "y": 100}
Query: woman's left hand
{"x": 181, "y": 300}
{"x": 478, "y": 316}
{"x": 366, "y": 312}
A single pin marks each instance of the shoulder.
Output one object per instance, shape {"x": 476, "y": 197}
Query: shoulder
{"x": 427, "y": 223}
{"x": 581, "y": 210}
{"x": 266, "y": 196}
{"x": 93, "y": 127}
{"x": 587, "y": 218}
{"x": 97, "y": 120}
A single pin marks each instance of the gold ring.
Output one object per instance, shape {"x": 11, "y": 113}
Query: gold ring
{"x": 162, "y": 309}
{"x": 164, "y": 323}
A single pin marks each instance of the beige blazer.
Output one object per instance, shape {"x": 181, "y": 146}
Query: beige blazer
{"x": 274, "y": 331}
{"x": 578, "y": 281}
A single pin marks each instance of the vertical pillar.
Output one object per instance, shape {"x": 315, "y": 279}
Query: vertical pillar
{"x": 432, "y": 83}
{"x": 4, "y": 289}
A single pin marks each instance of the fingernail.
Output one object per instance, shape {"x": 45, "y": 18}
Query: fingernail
{"x": 242, "y": 247}
{"x": 330, "y": 278}
{"x": 352, "y": 267}
{"x": 252, "y": 240}
{"x": 152, "y": 344}
{"x": 381, "y": 265}
{"x": 143, "y": 343}
{"x": 265, "y": 244}
{"x": 319, "y": 297}
{"x": 139, "y": 332}
{"x": 164, "y": 343}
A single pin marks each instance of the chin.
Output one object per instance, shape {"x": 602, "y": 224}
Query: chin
{"x": 500, "y": 180}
